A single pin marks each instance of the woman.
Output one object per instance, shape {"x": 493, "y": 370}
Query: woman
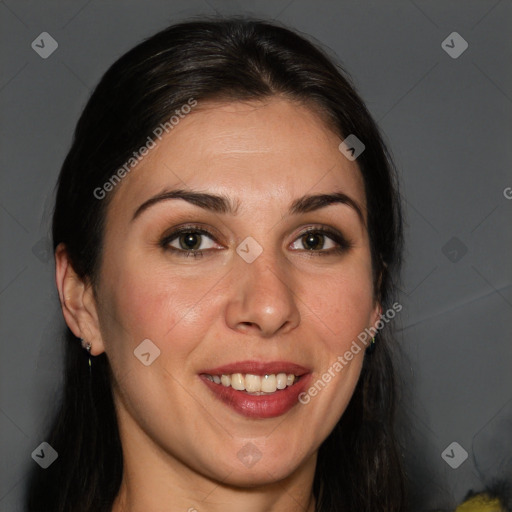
{"x": 226, "y": 232}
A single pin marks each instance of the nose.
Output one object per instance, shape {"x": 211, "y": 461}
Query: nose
{"x": 262, "y": 300}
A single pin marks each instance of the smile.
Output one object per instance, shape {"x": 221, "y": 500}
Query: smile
{"x": 257, "y": 389}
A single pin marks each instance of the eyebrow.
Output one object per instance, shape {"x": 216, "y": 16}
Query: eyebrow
{"x": 223, "y": 204}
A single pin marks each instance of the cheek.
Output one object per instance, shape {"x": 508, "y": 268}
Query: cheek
{"x": 341, "y": 303}
{"x": 148, "y": 302}
{"x": 341, "y": 309}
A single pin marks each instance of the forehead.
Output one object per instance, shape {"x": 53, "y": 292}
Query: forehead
{"x": 260, "y": 151}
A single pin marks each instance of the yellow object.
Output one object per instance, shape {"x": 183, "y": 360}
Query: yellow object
{"x": 480, "y": 503}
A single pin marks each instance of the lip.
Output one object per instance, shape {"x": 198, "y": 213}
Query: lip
{"x": 258, "y": 368}
{"x": 259, "y": 406}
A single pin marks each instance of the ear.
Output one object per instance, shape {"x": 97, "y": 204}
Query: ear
{"x": 77, "y": 302}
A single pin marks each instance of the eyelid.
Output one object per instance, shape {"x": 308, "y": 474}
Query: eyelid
{"x": 185, "y": 228}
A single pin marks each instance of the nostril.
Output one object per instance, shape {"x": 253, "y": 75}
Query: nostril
{"x": 248, "y": 326}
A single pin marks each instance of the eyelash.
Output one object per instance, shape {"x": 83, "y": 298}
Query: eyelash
{"x": 342, "y": 243}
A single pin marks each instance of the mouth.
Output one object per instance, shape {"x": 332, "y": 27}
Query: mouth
{"x": 256, "y": 389}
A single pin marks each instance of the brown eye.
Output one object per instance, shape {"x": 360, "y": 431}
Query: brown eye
{"x": 313, "y": 241}
{"x": 320, "y": 241}
{"x": 189, "y": 241}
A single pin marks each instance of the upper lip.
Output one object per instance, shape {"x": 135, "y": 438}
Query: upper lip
{"x": 258, "y": 368}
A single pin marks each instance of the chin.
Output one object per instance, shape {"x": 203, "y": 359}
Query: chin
{"x": 255, "y": 478}
{"x": 260, "y": 473}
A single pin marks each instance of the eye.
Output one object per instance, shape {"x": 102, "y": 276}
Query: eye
{"x": 322, "y": 241}
{"x": 195, "y": 241}
{"x": 189, "y": 241}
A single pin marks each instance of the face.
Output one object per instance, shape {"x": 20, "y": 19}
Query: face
{"x": 260, "y": 281}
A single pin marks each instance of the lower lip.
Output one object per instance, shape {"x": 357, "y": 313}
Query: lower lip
{"x": 259, "y": 406}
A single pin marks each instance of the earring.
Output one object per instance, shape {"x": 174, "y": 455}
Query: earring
{"x": 371, "y": 347}
{"x": 87, "y": 346}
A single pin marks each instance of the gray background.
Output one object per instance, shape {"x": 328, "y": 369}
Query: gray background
{"x": 448, "y": 122}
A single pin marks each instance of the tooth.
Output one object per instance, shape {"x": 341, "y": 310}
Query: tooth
{"x": 237, "y": 381}
{"x": 252, "y": 383}
{"x": 268, "y": 383}
{"x": 255, "y": 384}
{"x": 281, "y": 380}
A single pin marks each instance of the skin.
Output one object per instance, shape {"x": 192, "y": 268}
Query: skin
{"x": 179, "y": 443}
